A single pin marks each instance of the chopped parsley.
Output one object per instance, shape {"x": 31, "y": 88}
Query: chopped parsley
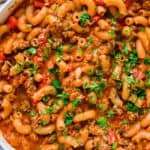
{"x": 131, "y": 61}
{"x": 140, "y": 92}
{"x": 43, "y": 123}
{"x": 132, "y": 107}
{"x": 31, "y": 50}
{"x": 110, "y": 113}
{"x": 89, "y": 41}
{"x": 75, "y": 102}
{"x": 132, "y": 80}
{"x": 46, "y": 54}
{"x": 84, "y": 19}
{"x": 125, "y": 50}
{"x": 69, "y": 118}
{"x": 147, "y": 61}
{"x": 45, "y": 99}
{"x": 112, "y": 32}
{"x": 56, "y": 84}
{"x": 102, "y": 122}
{"x": 59, "y": 50}
{"x": 96, "y": 87}
{"x": 50, "y": 41}
{"x": 33, "y": 68}
{"x": 119, "y": 84}
{"x": 54, "y": 70}
{"x": 51, "y": 108}
{"x": 32, "y": 113}
{"x": 114, "y": 146}
{"x": 141, "y": 29}
{"x": 64, "y": 97}
{"x": 100, "y": 106}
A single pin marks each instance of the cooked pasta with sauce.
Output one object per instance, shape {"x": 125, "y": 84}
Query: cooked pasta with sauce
{"x": 75, "y": 75}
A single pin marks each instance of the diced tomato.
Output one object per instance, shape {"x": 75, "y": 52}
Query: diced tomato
{"x": 44, "y": 81}
{"x": 138, "y": 74}
{"x": 144, "y": 105}
{"x": 100, "y": 2}
{"x": 34, "y": 101}
{"x": 38, "y": 4}
{"x": 42, "y": 39}
{"x": 112, "y": 137}
{"x": 12, "y": 22}
{"x": 128, "y": 3}
{"x": 2, "y": 58}
{"x": 96, "y": 18}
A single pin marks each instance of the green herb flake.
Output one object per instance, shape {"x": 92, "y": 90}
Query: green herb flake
{"x": 56, "y": 84}
{"x": 100, "y": 106}
{"x": 84, "y": 18}
{"x": 132, "y": 107}
{"x": 31, "y": 50}
{"x": 50, "y": 41}
{"x": 125, "y": 50}
{"x": 32, "y": 113}
{"x": 53, "y": 71}
{"x": 141, "y": 29}
{"x": 89, "y": 41}
{"x": 45, "y": 99}
{"x": 64, "y": 97}
{"x": 132, "y": 80}
{"x": 112, "y": 32}
{"x": 147, "y": 61}
{"x": 114, "y": 146}
{"x": 33, "y": 68}
{"x": 140, "y": 92}
{"x": 75, "y": 102}
{"x": 43, "y": 123}
{"x": 59, "y": 50}
{"x": 46, "y": 54}
{"x": 110, "y": 113}
{"x": 69, "y": 118}
{"x": 102, "y": 122}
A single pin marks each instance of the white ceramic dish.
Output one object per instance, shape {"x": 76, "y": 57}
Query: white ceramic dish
{"x": 6, "y": 8}
{"x": 4, "y": 145}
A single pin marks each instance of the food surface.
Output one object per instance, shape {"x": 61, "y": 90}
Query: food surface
{"x": 75, "y": 75}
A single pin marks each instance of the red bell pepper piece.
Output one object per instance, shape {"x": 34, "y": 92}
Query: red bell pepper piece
{"x": 12, "y": 22}
{"x": 38, "y": 4}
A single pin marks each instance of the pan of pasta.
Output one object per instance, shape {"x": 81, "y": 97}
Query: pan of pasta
{"x": 75, "y": 75}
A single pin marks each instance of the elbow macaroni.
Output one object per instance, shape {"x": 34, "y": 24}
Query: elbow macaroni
{"x": 76, "y": 75}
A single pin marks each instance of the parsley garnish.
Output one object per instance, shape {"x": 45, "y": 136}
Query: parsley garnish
{"x": 132, "y": 80}
{"x": 89, "y": 41}
{"x": 33, "y": 68}
{"x": 131, "y": 61}
{"x": 132, "y": 107}
{"x": 54, "y": 71}
{"x": 31, "y": 50}
{"x": 64, "y": 97}
{"x": 125, "y": 49}
{"x": 56, "y": 84}
{"x": 46, "y": 54}
{"x": 102, "y": 122}
{"x": 112, "y": 32}
{"x": 114, "y": 146}
{"x": 32, "y": 113}
{"x": 69, "y": 118}
{"x": 75, "y": 102}
{"x": 110, "y": 113}
{"x": 147, "y": 61}
{"x": 140, "y": 92}
{"x": 59, "y": 50}
{"x": 45, "y": 98}
{"x": 84, "y": 18}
